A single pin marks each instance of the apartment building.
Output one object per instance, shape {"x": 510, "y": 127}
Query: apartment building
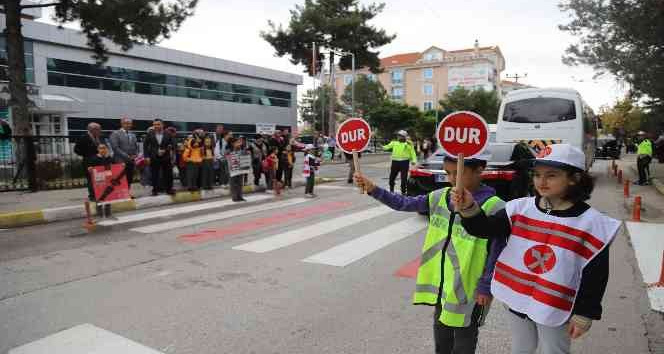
{"x": 423, "y": 78}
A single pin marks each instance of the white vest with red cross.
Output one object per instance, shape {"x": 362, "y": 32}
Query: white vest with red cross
{"x": 539, "y": 271}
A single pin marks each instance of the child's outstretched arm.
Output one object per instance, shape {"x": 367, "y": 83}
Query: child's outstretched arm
{"x": 395, "y": 201}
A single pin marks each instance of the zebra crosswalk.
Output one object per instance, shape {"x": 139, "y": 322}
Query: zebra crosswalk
{"x": 285, "y": 223}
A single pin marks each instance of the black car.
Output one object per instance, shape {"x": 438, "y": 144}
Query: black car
{"x": 508, "y": 171}
{"x": 607, "y": 148}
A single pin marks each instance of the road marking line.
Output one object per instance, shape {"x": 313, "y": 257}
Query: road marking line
{"x": 255, "y": 224}
{"x": 334, "y": 187}
{"x": 351, "y": 251}
{"x": 216, "y": 216}
{"x": 178, "y": 210}
{"x": 82, "y": 339}
{"x": 648, "y": 247}
{"x": 409, "y": 270}
{"x": 306, "y": 233}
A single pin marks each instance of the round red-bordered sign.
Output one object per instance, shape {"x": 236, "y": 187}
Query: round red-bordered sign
{"x": 539, "y": 259}
{"x": 463, "y": 132}
{"x": 353, "y": 134}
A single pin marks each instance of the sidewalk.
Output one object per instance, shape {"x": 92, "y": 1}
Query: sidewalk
{"x": 19, "y": 209}
{"x": 656, "y": 171}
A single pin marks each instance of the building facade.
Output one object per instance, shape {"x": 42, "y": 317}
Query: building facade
{"x": 509, "y": 86}
{"x": 423, "y": 78}
{"x": 186, "y": 90}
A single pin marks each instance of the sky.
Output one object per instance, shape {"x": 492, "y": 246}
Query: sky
{"x": 525, "y": 30}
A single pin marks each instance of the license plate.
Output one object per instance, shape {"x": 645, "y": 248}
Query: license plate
{"x": 439, "y": 178}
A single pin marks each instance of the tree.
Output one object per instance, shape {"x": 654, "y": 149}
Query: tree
{"x": 368, "y": 94}
{"x": 124, "y": 22}
{"x": 623, "y": 119}
{"x": 313, "y": 107}
{"x": 390, "y": 116}
{"x": 337, "y": 25}
{"x": 425, "y": 126}
{"x": 484, "y": 103}
{"x": 621, "y": 37}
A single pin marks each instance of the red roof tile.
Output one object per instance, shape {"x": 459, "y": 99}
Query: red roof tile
{"x": 400, "y": 59}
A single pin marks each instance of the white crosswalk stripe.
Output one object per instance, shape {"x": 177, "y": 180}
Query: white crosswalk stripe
{"x": 178, "y": 210}
{"x": 351, "y": 251}
{"x": 165, "y": 226}
{"x": 309, "y": 232}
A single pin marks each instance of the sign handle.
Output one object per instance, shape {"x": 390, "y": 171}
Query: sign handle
{"x": 356, "y": 164}
{"x": 459, "y": 180}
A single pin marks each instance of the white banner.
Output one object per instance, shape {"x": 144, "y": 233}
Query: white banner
{"x": 265, "y": 128}
{"x": 239, "y": 163}
{"x": 469, "y": 77}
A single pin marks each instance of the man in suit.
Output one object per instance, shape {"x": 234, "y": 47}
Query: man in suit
{"x": 125, "y": 148}
{"x": 158, "y": 149}
{"x": 86, "y": 147}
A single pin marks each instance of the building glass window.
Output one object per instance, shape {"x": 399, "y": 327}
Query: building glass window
{"x": 428, "y": 105}
{"x": 427, "y": 89}
{"x": 397, "y": 76}
{"x": 427, "y": 73}
{"x": 371, "y": 77}
{"x": 397, "y": 93}
{"x": 29, "y": 61}
{"x": 90, "y": 76}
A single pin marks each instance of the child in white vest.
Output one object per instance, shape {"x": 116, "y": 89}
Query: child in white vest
{"x": 554, "y": 270}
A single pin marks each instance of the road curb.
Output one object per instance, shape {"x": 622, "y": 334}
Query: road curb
{"x": 49, "y": 215}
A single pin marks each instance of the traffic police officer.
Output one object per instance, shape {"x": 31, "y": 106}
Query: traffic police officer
{"x": 403, "y": 152}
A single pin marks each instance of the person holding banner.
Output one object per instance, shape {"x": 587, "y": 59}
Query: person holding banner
{"x": 455, "y": 269}
{"x": 236, "y": 169}
{"x": 402, "y": 152}
{"x": 555, "y": 268}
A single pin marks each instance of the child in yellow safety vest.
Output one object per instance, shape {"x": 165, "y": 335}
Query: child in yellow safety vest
{"x": 554, "y": 270}
{"x": 454, "y": 274}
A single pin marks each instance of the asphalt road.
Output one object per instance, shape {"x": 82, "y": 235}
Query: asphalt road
{"x": 288, "y": 275}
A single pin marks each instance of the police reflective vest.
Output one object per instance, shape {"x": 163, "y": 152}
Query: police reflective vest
{"x": 539, "y": 271}
{"x": 645, "y": 147}
{"x": 464, "y": 259}
{"x": 401, "y": 151}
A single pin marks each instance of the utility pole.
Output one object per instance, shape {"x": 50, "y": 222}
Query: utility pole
{"x": 516, "y": 77}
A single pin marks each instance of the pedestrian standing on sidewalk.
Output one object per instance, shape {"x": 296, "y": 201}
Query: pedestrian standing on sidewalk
{"x": 456, "y": 268}
{"x": 403, "y": 154}
{"x": 270, "y": 165}
{"x": 207, "y": 169}
{"x": 311, "y": 163}
{"x": 236, "y": 181}
{"x": 332, "y": 145}
{"x": 125, "y": 148}
{"x": 102, "y": 158}
{"x": 289, "y": 161}
{"x": 158, "y": 146}
{"x": 644, "y": 152}
{"x": 258, "y": 151}
{"x": 193, "y": 157}
{"x": 221, "y": 148}
{"x": 87, "y": 148}
{"x": 554, "y": 270}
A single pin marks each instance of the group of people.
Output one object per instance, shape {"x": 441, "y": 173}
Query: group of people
{"x": 546, "y": 258}
{"x": 202, "y": 160}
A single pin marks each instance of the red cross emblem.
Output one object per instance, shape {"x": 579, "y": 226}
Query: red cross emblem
{"x": 545, "y": 152}
{"x": 540, "y": 259}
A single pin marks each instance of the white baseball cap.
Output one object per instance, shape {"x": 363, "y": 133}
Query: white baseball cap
{"x": 562, "y": 155}
{"x": 402, "y": 133}
{"x": 484, "y": 156}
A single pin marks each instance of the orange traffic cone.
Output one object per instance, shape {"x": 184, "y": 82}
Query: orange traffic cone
{"x": 660, "y": 283}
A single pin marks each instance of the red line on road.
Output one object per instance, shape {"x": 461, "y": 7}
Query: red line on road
{"x": 409, "y": 270}
{"x": 259, "y": 223}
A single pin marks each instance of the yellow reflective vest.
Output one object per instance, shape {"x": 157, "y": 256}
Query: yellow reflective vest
{"x": 645, "y": 147}
{"x": 401, "y": 151}
{"x": 464, "y": 262}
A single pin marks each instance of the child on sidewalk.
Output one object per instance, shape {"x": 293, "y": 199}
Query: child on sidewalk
{"x": 103, "y": 158}
{"x": 311, "y": 164}
{"x": 193, "y": 157}
{"x": 270, "y": 164}
{"x": 554, "y": 270}
{"x": 455, "y": 270}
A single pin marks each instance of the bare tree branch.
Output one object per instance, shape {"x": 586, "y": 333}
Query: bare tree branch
{"x": 39, "y": 5}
